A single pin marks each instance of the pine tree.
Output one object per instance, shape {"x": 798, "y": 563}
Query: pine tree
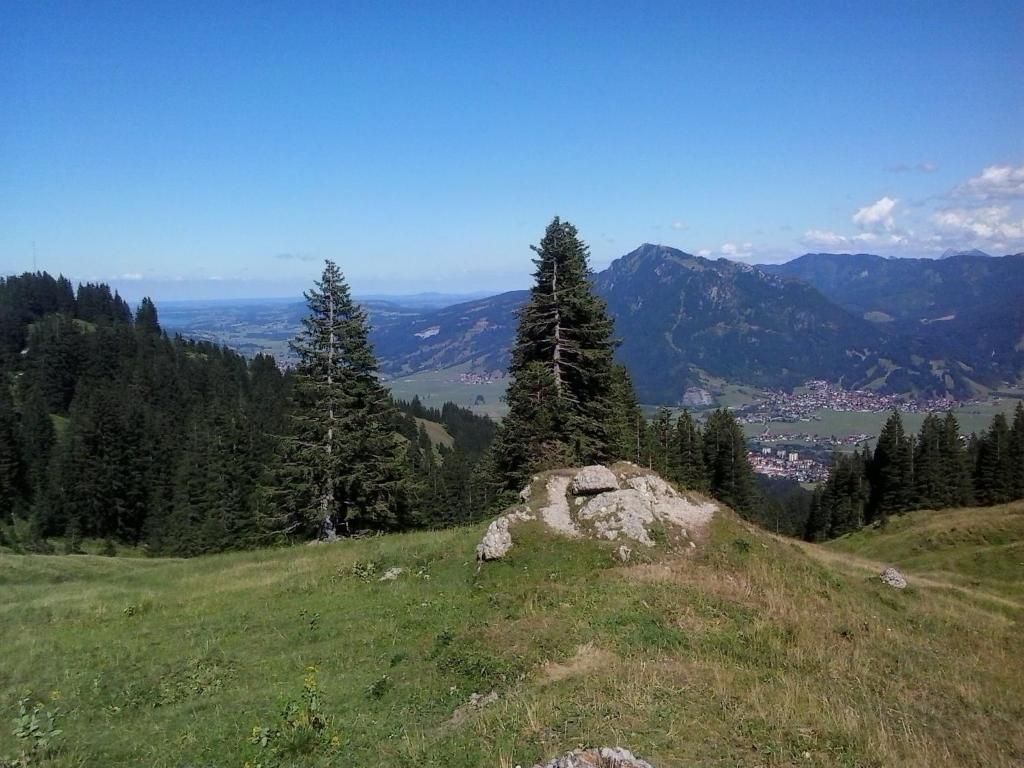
{"x": 956, "y": 464}
{"x": 37, "y": 438}
{"x": 659, "y": 444}
{"x": 11, "y": 468}
{"x": 343, "y": 463}
{"x": 689, "y": 454}
{"x": 1017, "y": 453}
{"x": 932, "y": 483}
{"x": 846, "y": 491}
{"x": 562, "y": 398}
{"x": 730, "y": 476}
{"x": 627, "y": 425}
{"x": 819, "y": 519}
{"x": 146, "y": 317}
{"x": 994, "y": 471}
{"x": 891, "y": 470}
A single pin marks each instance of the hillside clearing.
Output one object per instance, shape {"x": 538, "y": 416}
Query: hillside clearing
{"x": 748, "y": 653}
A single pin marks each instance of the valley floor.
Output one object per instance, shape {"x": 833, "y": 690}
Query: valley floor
{"x": 755, "y": 651}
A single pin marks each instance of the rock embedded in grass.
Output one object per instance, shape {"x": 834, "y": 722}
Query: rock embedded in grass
{"x": 893, "y": 578}
{"x": 626, "y": 505}
{"x": 603, "y": 757}
{"x": 497, "y": 540}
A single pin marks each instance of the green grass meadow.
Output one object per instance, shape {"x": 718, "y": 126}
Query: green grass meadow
{"x": 750, "y": 651}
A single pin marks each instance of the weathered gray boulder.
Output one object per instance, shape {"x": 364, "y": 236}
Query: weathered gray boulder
{"x": 497, "y": 540}
{"x": 893, "y": 578}
{"x": 391, "y": 574}
{"x": 593, "y": 479}
{"x": 570, "y": 505}
{"x": 603, "y": 757}
{"x": 630, "y": 513}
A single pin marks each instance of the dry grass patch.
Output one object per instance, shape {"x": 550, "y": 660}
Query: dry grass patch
{"x": 587, "y": 659}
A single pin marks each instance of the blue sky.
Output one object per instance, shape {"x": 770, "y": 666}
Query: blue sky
{"x": 219, "y": 149}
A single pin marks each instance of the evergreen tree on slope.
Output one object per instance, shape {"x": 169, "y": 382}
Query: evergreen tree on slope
{"x": 343, "y": 464}
{"x": 562, "y": 399}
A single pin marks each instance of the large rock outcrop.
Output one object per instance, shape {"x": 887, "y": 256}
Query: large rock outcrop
{"x": 623, "y": 503}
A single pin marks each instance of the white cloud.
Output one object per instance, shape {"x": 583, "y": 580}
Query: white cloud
{"x": 984, "y": 212}
{"x": 879, "y": 213}
{"x": 996, "y": 182}
{"x": 130, "y": 276}
{"x": 823, "y": 238}
{"x": 925, "y": 167}
{"x": 991, "y": 222}
{"x": 678, "y": 225}
{"x": 704, "y": 253}
{"x": 734, "y": 251}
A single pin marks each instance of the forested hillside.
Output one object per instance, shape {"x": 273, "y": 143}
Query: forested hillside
{"x": 936, "y": 469}
{"x": 110, "y": 429}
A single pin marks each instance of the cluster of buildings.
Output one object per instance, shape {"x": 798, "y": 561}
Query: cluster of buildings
{"x": 480, "y": 378}
{"x": 819, "y": 395}
{"x": 830, "y": 441}
{"x": 786, "y": 463}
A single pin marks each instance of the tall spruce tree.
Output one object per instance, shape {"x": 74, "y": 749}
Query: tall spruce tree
{"x": 891, "y": 470}
{"x": 37, "y": 438}
{"x": 956, "y": 464}
{"x": 11, "y": 469}
{"x": 660, "y": 455}
{"x": 343, "y": 464}
{"x": 564, "y": 406}
{"x": 994, "y": 471}
{"x": 689, "y": 454}
{"x": 730, "y": 476}
{"x": 627, "y": 424}
{"x": 932, "y": 483}
{"x": 1017, "y": 452}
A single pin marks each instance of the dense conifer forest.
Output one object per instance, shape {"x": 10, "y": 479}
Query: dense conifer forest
{"x": 938, "y": 468}
{"x": 110, "y": 429}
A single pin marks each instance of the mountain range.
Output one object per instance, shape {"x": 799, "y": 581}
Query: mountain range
{"x": 920, "y": 326}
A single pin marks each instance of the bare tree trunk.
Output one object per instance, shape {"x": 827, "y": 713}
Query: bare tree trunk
{"x": 327, "y": 496}
{"x": 556, "y": 363}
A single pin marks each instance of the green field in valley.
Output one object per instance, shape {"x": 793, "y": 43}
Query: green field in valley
{"x": 975, "y": 417}
{"x": 435, "y": 388}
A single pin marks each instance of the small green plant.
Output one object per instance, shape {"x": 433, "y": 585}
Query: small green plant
{"x": 742, "y": 545}
{"x": 312, "y": 619}
{"x": 302, "y": 729}
{"x": 378, "y": 688}
{"x": 365, "y": 569}
{"x": 37, "y": 731}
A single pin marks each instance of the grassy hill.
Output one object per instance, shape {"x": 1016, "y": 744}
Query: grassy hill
{"x": 752, "y": 651}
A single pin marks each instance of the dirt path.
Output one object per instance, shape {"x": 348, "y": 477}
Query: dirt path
{"x": 848, "y": 562}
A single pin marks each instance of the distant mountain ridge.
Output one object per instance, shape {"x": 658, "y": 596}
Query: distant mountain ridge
{"x": 968, "y": 306}
{"x": 682, "y": 318}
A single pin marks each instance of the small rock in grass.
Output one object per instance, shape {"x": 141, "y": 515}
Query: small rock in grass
{"x": 392, "y": 573}
{"x": 476, "y": 702}
{"x": 605, "y": 757}
{"x": 893, "y": 578}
